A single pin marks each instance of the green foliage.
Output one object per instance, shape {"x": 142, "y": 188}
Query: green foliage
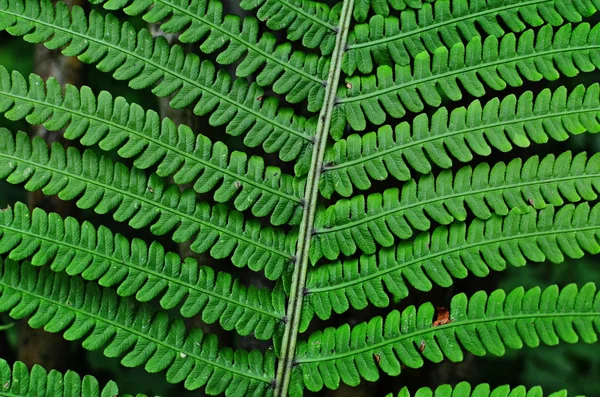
{"x": 481, "y": 390}
{"x": 350, "y": 224}
{"x": 311, "y": 22}
{"x": 19, "y": 381}
{"x": 141, "y": 201}
{"x": 289, "y": 72}
{"x": 336, "y": 218}
{"x": 135, "y": 333}
{"x": 114, "y": 124}
{"x": 388, "y": 40}
{"x": 437, "y": 140}
{"x": 453, "y": 252}
{"x": 480, "y": 325}
{"x": 383, "y": 7}
{"x": 467, "y": 69}
{"x": 145, "y": 62}
{"x": 146, "y": 271}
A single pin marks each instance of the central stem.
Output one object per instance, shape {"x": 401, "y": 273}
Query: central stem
{"x": 311, "y": 195}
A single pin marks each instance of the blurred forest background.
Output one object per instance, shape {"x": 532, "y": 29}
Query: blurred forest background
{"x": 574, "y": 367}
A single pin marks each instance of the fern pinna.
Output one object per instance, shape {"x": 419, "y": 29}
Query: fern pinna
{"x": 367, "y": 126}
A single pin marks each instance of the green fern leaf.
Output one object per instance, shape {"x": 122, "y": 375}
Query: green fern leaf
{"x": 383, "y": 7}
{"x": 136, "y": 333}
{"x": 294, "y": 73}
{"x": 459, "y": 134}
{"x": 464, "y": 389}
{"x": 18, "y": 381}
{"x": 175, "y": 150}
{"x": 146, "y": 62}
{"x": 134, "y": 268}
{"x": 362, "y": 222}
{"x": 452, "y": 252}
{"x": 409, "y": 205}
{"x": 105, "y": 186}
{"x": 480, "y": 325}
{"x": 312, "y": 22}
{"x": 445, "y": 23}
{"x": 492, "y": 62}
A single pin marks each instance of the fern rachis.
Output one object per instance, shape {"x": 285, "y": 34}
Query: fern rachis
{"x": 381, "y": 185}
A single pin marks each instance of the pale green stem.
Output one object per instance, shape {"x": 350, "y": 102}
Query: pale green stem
{"x": 311, "y": 195}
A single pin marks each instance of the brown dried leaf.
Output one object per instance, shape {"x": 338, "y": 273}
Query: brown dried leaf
{"x": 443, "y": 317}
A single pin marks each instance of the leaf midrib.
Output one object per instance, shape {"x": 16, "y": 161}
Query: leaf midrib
{"x": 246, "y": 43}
{"x": 370, "y": 218}
{"x": 438, "y": 25}
{"x": 431, "y": 255}
{"x": 134, "y": 332}
{"x": 452, "y": 324}
{"x": 151, "y": 203}
{"x": 182, "y": 153}
{"x": 12, "y": 395}
{"x": 307, "y": 15}
{"x": 464, "y": 70}
{"x": 144, "y": 270}
{"x": 168, "y": 71}
{"x": 364, "y": 159}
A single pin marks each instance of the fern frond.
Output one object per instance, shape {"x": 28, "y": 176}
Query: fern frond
{"x": 493, "y": 63}
{"x": 362, "y": 222}
{"x": 104, "y": 186}
{"x": 134, "y": 268}
{"x": 480, "y": 325}
{"x": 393, "y": 40}
{"x": 313, "y": 22}
{"x": 294, "y": 73}
{"x": 18, "y": 381}
{"x": 176, "y": 151}
{"x": 450, "y": 252}
{"x": 141, "y": 336}
{"x": 459, "y": 134}
{"x": 362, "y": 8}
{"x": 151, "y": 62}
{"x": 465, "y": 389}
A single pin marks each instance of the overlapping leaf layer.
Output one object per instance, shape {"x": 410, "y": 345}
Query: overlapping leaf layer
{"x": 148, "y": 272}
{"x": 371, "y": 151}
{"x": 481, "y": 390}
{"x": 144, "y": 61}
{"x": 19, "y": 381}
{"x": 136, "y": 334}
{"x": 114, "y": 124}
{"x": 100, "y": 184}
{"x": 479, "y": 325}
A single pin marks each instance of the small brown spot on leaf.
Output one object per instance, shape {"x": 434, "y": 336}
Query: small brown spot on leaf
{"x": 422, "y": 346}
{"x": 348, "y": 85}
{"x": 150, "y": 190}
{"x": 443, "y": 317}
{"x": 237, "y": 184}
{"x": 377, "y": 358}
{"x": 530, "y": 201}
{"x": 259, "y": 98}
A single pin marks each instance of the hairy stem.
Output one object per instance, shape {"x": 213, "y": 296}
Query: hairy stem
{"x": 311, "y": 195}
